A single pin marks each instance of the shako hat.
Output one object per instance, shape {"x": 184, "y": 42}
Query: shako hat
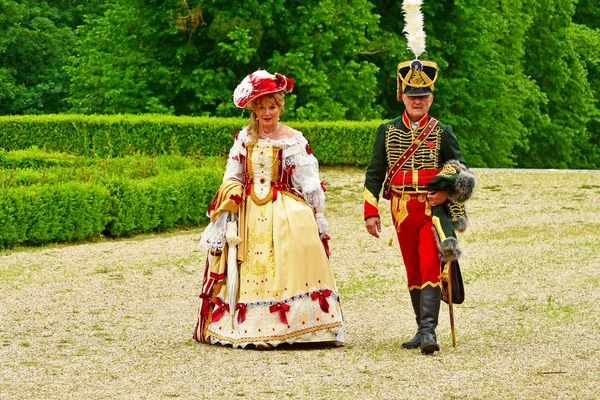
{"x": 415, "y": 77}
{"x": 258, "y": 83}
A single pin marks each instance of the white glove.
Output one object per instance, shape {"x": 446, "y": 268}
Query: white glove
{"x": 213, "y": 237}
{"x": 321, "y": 224}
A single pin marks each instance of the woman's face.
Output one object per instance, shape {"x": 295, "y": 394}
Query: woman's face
{"x": 267, "y": 112}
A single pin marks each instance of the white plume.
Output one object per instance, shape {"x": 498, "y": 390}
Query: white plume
{"x": 413, "y": 26}
{"x": 243, "y": 90}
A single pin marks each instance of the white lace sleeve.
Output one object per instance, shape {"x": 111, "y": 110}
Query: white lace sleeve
{"x": 234, "y": 168}
{"x": 305, "y": 176}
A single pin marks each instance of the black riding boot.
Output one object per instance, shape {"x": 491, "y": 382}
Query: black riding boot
{"x": 415, "y": 298}
{"x": 430, "y": 310}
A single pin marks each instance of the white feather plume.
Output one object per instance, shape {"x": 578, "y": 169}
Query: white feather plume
{"x": 243, "y": 90}
{"x": 413, "y": 26}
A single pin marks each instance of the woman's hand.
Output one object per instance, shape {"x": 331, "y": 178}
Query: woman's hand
{"x": 321, "y": 224}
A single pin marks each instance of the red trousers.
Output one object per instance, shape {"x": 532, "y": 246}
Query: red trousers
{"x": 412, "y": 219}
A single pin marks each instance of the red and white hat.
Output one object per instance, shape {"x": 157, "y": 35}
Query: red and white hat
{"x": 258, "y": 83}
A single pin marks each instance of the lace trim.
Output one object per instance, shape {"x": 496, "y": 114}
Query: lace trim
{"x": 213, "y": 237}
{"x": 289, "y": 300}
{"x": 334, "y": 327}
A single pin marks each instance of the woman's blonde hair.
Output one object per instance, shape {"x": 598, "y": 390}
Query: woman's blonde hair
{"x": 277, "y": 98}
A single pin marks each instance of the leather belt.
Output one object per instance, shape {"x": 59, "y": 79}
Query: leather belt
{"x": 409, "y": 189}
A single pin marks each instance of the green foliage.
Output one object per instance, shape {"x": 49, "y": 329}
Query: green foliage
{"x": 587, "y": 13}
{"x": 53, "y": 197}
{"x": 586, "y": 42}
{"x": 119, "y": 135}
{"x": 159, "y": 203}
{"x": 186, "y": 58}
{"x": 482, "y": 88}
{"x": 34, "y": 47}
{"x": 341, "y": 142}
{"x": 68, "y": 211}
{"x": 518, "y": 78}
{"x": 334, "y": 142}
{"x": 138, "y": 75}
{"x": 569, "y": 102}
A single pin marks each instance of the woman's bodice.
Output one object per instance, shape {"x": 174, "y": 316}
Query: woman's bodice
{"x": 267, "y": 165}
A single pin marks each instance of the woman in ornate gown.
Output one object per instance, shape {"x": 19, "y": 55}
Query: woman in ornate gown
{"x": 268, "y": 279}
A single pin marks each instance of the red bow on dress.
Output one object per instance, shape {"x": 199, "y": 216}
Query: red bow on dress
{"x": 282, "y": 308}
{"x": 219, "y": 310}
{"x": 247, "y": 182}
{"x": 279, "y": 186}
{"x": 241, "y": 308}
{"x": 322, "y": 298}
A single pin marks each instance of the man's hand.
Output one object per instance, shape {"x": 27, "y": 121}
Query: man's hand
{"x": 437, "y": 198}
{"x": 374, "y": 226}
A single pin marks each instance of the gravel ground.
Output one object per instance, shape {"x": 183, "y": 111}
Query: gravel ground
{"x": 114, "y": 319}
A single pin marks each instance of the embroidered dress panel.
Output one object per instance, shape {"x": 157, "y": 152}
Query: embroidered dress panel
{"x": 263, "y": 169}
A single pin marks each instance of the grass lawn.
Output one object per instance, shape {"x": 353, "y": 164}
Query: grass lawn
{"x": 114, "y": 319}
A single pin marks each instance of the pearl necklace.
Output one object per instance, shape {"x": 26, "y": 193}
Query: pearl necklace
{"x": 270, "y": 133}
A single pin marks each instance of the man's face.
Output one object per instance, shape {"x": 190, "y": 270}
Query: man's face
{"x": 417, "y": 106}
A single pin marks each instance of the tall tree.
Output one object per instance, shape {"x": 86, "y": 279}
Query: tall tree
{"x": 126, "y": 60}
{"x": 34, "y": 47}
{"x": 186, "y": 57}
{"x": 482, "y": 87}
{"x": 558, "y": 71}
{"x": 584, "y": 35}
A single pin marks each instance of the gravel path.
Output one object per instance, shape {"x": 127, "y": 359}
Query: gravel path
{"x": 114, "y": 319}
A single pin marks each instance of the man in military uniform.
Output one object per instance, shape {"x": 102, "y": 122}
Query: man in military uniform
{"x": 418, "y": 162}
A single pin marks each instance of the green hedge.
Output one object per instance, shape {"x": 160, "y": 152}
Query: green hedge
{"x": 334, "y": 143}
{"x": 118, "y": 135}
{"x": 159, "y": 203}
{"x": 341, "y": 142}
{"x": 36, "y": 215}
{"x": 52, "y": 197}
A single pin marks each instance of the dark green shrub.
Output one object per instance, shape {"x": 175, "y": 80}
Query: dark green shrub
{"x": 75, "y": 198}
{"x": 334, "y": 143}
{"x": 41, "y": 214}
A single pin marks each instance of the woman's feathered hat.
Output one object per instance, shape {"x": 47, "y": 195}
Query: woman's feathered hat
{"x": 415, "y": 77}
{"x": 258, "y": 83}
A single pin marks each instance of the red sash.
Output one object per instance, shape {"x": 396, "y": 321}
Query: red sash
{"x": 387, "y": 186}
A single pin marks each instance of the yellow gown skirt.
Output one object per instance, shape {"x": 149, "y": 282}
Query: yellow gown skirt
{"x": 287, "y": 292}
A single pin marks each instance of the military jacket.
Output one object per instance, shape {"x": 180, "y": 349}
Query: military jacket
{"x": 429, "y": 161}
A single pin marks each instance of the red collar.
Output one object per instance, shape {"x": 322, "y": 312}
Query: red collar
{"x": 422, "y": 122}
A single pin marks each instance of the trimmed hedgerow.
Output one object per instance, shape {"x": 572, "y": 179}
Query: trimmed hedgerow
{"x": 53, "y": 197}
{"x": 334, "y": 143}
{"x": 67, "y": 211}
{"x": 119, "y": 135}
